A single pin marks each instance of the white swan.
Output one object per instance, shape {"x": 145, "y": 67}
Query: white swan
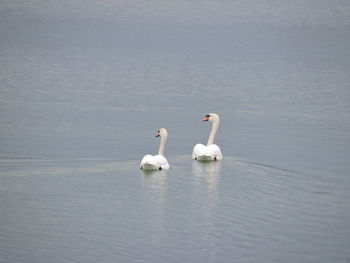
{"x": 209, "y": 152}
{"x": 157, "y": 162}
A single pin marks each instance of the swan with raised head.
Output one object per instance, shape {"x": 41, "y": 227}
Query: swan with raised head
{"x": 157, "y": 162}
{"x": 209, "y": 152}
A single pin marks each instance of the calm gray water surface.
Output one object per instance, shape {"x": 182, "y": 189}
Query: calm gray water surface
{"x": 85, "y": 85}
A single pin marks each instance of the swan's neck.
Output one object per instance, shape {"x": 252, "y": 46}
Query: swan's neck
{"x": 212, "y": 135}
{"x": 162, "y": 144}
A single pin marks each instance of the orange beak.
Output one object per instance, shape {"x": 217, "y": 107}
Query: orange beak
{"x": 206, "y": 119}
{"x": 157, "y": 135}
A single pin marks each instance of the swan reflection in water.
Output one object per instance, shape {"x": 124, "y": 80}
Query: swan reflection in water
{"x": 207, "y": 174}
{"x": 205, "y": 183}
{"x": 155, "y": 184}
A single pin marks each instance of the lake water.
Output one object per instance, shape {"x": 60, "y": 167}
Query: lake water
{"x": 85, "y": 85}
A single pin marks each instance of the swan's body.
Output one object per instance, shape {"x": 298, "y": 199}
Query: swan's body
{"x": 154, "y": 162}
{"x": 209, "y": 152}
{"x": 203, "y": 152}
{"x": 157, "y": 162}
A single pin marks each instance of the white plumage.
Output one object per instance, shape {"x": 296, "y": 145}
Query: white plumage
{"x": 203, "y": 152}
{"x": 157, "y": 162}
{"x": 209, "y": 152}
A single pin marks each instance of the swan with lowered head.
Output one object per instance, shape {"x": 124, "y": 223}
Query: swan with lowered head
{"x": 209, "y": 152}
{"x": 157, "y": 162}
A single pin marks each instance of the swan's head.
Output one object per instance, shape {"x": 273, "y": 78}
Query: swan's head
{"x": 162, "y": 132}
{"x": 211, "y": 117}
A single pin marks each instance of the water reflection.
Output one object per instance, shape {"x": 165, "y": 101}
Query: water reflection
{"x": 206, "y": 177}
{"x": 154, "y": 184}
{"x": 205, "y": 182}
{"x": 207, "y": 174}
